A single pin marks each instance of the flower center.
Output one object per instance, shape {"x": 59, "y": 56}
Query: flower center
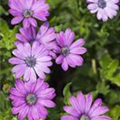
{"x": 30, "y": 61}
{"x": 84, "y": 117}
{"x": 31, "y": 99}
{"x": 102, "y": 3}
{"x": 28, "y": 13}
{"x": 65, "y": 51}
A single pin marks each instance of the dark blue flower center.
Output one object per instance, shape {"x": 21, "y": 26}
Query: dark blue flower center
{"x": 30, "y": 61}
{"x": 31, "y": 99}
{"x": 28, "y": 13}
{"x": 102, "y": 4}
{"x": 65, "y": 51}
{"x": 84, "y": 117}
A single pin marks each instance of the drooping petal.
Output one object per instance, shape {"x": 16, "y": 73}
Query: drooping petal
{"x": 71, "y": 111}
{"x": 16, "y": 20}
{"x": 68, "y": 117}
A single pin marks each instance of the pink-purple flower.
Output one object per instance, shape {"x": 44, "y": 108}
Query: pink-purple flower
{"x": 45, "y": 36}
{"x": 28, "y": 11}
{"x": 69, "y": 51}
{"x": 104, "y": 8}
{"x": 31, "y": 99}
{"x": 31, "y": 61}
{"x": 26, "y": 35}
{"x": 83, "y": 108}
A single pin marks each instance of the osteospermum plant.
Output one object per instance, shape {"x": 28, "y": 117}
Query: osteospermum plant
{"x": 33, "y": 57}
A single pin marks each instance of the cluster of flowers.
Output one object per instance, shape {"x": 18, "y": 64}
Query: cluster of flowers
{"x": 34, "y": 53}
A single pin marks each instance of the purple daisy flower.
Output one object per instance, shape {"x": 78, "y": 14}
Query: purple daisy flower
{"x": 69, "y": 52}
{"x": 45, "y": 36}
{"x": 26, "y": 35}
{"x": 27, "y": 11}
{"x": 105, "y": 8}
{"x": 31, "y": 61}
{"x": 83, "y": 108}
{"x": 31, "y": 99}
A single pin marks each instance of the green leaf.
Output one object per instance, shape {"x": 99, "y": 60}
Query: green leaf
{"x": 8, "y": 35}
{"x": 115, "y": 113}
{"x": 102, "y": 88}
{"x": 67, "y": 93}
{"x": 109, "y": 69}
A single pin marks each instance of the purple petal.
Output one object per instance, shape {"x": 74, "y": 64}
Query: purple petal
{"x": 78, "y": 60}
{"x": 18, "y": 68}
{"x": 101, "y": 118}
{"x": 78, "y": 50}
{"x": 33, "y": 22}
{"x": 16, "y": 20}
{"x": 69, "y": 37}
{"x": 27, "y": 74}
{"x": 14, "y": 92}
{"x": 23, "y": 113}
{"x": 99, "y": 111}
{"x": 20, "y": 37}
{"x": 39, "y": 72}
{"x": 15, "y": 60}
{"x": 20, "y": 86}
{"x": 30, "y": 117}
{"x": 88, "y": 102}
{"x": 71, "y": 111}
{"x": 59, "y": 59}
{"x": 70, "y": 62}
{"x": 38, "y": 85}
{"x": 65, "y": 65}
{"x": 26, "y": 23}
{"x": 47, "y": 103}
{"x": 81, "y": 101}
{"x": 16, "y": 110}
{"x": 68, "y": 117}
{"x": 49, "y": 93}
{"x": 28, "y": 3}
{"x": 75, "y": 104}
{"x": 95, "y": 105}
{"x": 60, "y": 39}
{"x": 35, "y": 113}
{"x": 33, "y": 76}
{"x": 44, "y": 58}
{"x": 42, "y": 111}
{"x": 27, "y": 50}
{"x": 15, "y": 12}
{"x": 18, "y": 102}
{"x": 16, "y": 5}
{"x": 18, "y": 54}
{"x": 78, "y": 43}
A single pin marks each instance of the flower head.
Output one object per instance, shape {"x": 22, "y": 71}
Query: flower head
{"x": 105, "y": 8}
{"x": 27, "y": 11}
{"x": 69, "y": 52}
{"x": 31, "y": 99}
{"x": 45, "y": 36}
{"x": 26, "y": 35}
{"x": 83, "y": 108}
{"x": 30, "y": 61}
